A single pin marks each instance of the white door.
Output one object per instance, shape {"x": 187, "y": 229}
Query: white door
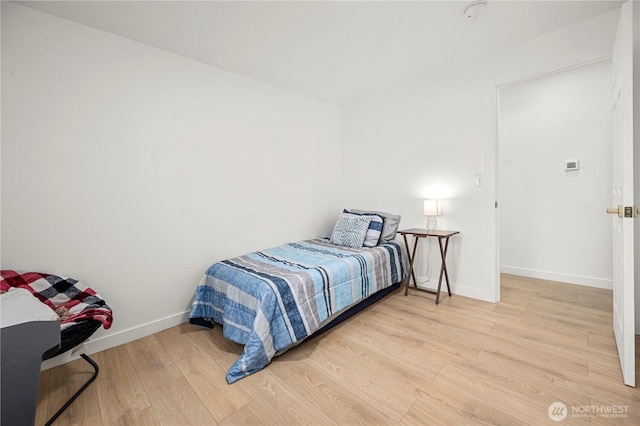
{"x": 623, "y": 257}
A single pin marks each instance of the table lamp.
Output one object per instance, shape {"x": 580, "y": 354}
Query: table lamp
{"x": 432, "y": 211}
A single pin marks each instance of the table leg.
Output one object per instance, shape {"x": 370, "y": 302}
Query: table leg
{"x": 446, "y": 272}
{"x": 413, "y": 259}
{"x": 411, "y": 256}
{"x": 441, "y": 271}
{"x": 443, "y": 268}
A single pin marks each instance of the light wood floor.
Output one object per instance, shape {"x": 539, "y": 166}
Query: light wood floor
{"x": 402, "y": 361}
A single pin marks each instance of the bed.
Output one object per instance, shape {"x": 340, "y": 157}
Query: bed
{"x": 271, "y": 300}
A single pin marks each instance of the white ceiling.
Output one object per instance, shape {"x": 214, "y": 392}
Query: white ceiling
{"x": 337, "y": 52}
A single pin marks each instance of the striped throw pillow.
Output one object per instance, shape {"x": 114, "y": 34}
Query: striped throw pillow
{"x": 372, "y": 238}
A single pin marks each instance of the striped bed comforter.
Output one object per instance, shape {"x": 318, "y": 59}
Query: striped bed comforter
{"x": 271, "y": 300}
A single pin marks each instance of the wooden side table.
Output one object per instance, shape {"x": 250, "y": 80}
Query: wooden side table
{"x": 423, "y": 233}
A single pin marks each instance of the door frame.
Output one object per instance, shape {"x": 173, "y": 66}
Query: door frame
{"x": 495, "y": 154}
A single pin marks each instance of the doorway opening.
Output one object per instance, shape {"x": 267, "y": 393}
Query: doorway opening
{"x": 554, "y": 172}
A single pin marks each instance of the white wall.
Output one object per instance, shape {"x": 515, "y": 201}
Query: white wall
{"x": 133, "y": 169}
{"x": 439, "y": 132}
{"x": 552, "y": 221}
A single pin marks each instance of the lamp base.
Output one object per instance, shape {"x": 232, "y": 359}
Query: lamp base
{"x": 432, "y": 223}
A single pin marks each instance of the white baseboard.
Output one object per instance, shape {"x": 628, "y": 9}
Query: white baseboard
{"x": 456, "y": 288}
{"x": 559, "y": 277}
{"x": 98, "y": 344}
{"x": 472, "y": 293}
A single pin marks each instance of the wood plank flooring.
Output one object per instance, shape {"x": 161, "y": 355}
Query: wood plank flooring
{"x": 403, "y": 361}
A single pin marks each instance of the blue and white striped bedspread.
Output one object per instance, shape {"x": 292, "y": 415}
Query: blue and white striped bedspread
{"x": 271, "y": 300}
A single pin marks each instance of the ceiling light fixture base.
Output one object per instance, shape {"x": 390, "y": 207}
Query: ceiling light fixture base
{"x": 474, "y": 9}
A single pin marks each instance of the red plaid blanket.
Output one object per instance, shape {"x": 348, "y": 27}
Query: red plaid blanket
{"x": 71, "y": 300}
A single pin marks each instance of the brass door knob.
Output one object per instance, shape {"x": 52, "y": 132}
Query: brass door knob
{"x": 622, "y": 211}
{"x": 615, "y": 210}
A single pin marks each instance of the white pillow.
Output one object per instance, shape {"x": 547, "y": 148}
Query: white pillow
{"x": 350, "y": 230}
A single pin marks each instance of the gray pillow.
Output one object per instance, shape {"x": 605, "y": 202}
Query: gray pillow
{"x": 391, "y": 222}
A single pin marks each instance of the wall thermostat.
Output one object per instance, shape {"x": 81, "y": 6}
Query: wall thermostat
{"x": 571, "y": 165}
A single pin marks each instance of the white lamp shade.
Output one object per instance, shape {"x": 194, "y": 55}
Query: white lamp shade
{"x": 432, "y": 208}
